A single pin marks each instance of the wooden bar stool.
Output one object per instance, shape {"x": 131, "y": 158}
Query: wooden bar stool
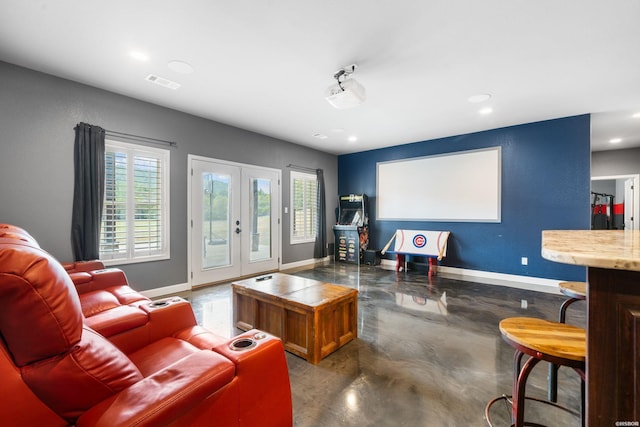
{"x": 554, "y": 342}
{"x": 576, "y": 291}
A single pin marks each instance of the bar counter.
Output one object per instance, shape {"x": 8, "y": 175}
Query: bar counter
{"x": 612, "y": 258}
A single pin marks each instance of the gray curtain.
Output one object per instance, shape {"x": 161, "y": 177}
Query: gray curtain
{"x": 320, "y": 248}
{"x": 88, "y": 191}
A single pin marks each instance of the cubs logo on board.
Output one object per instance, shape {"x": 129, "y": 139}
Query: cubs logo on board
{"x": 419, "y": 240}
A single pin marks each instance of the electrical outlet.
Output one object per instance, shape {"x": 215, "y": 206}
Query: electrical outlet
{"x": 524, "y": 260}
{"x": 524, "y": 303}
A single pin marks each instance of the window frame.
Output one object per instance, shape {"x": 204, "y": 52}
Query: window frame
{"x": 307, "y": 238}
{"x": 163, "y": 155}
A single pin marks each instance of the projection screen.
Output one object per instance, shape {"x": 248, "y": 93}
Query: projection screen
{"x": 461, "y": 186}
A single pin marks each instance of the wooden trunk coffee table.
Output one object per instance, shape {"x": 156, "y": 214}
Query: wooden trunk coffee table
{"x": 312, "y": 318}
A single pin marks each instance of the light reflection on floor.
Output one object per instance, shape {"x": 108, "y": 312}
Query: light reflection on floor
{"x": 213, "y": 309}
{"x": 427, "y": 353}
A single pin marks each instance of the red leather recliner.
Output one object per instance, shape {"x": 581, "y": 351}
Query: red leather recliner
{"x": 57, "y": 371}
{"x": 110, "y": 306}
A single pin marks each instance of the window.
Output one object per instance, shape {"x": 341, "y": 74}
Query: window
{"x": 135, "y": 216}
{"x": 303, "y": 207}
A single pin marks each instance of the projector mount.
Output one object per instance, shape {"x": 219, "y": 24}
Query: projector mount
{"x": 344, "y": 73}
{"x": 347, "y": 92}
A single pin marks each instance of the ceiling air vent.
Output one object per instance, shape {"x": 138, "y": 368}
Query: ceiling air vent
{"x": 162, "y": 81}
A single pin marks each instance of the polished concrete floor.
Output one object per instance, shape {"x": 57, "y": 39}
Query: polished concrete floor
{"x": 428, "y": 353}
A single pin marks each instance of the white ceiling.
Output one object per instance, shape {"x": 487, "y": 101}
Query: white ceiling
{"x": 264, "y": 65}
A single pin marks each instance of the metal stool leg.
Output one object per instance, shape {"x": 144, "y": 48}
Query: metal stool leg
{"x": 517, "y": 365}
{"x": 519, "y": 387}
{"x": 552, "y": 393}
{"x": 582, "y": 402}
{"x": 563, "y": 308}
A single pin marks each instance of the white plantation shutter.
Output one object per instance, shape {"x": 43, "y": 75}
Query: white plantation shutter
{"x": 135, "y": 219}
{"x": 147, "y": 197}
{"x": 303, "y": 207}
{"x": 113, "y": 231}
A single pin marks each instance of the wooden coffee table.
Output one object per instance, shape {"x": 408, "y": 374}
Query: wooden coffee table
{"x": 312, "y": 318}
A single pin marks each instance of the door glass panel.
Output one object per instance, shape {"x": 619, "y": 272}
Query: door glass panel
{"x": 216, "y": 225}
{"x": 260, "y": 203}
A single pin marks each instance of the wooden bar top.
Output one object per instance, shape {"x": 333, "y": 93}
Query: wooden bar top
{"x": 612, "y": 258}
{"x": 612, "y": 249}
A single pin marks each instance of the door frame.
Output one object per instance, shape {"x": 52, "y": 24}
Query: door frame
{"x": 277, "y": 234}
{"x": 636, "y": 192}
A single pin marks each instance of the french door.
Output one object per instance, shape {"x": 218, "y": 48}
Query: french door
{"x": 234, "y": 225}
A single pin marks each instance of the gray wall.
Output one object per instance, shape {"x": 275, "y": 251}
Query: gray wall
{"x": 605, "y": 186}
{"x": 615, "y": 162}
{"x": 37, "y": 115}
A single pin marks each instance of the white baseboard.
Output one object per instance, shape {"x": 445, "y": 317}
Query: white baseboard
{"x": 305, "y": 263}
{"x": 500, "y": 279}
{"x": 166, "y": 290}
{"x": 185, "y": 287}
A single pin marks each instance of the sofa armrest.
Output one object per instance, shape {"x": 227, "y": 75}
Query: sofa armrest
{"x": 98, "y": 279}
{"x": 77, "y": 266}
{"x": 164, "y": 396}
{"x": 263, "y": 378}
{"x": 117, "y": 320}
{"x": 168, "y": 316}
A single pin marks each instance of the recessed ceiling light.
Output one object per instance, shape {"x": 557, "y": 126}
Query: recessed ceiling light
{"x": 487, "y": 110}
{"x": 320, "y": 136}
{"x": 615, "y": 140}
{"x": 636, "y": 115}
{"x": 139, "y": 56}
{"x": 481, "y": 97}
{"x": 352, "y": 138}
{"x": 180, "y": 67}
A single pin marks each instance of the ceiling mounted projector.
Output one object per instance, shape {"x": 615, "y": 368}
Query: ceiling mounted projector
{"x": 347, "y": 93}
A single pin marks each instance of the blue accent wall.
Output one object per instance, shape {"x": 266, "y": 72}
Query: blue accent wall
{"x": 545, "y": 186}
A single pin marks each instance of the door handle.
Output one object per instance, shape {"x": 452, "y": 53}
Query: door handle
{"x": 238, "y": 230}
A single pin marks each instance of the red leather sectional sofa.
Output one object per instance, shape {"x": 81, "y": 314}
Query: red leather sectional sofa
{"x": 80, "y": 347}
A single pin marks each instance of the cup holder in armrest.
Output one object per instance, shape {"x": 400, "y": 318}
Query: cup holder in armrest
{"x": 156, "y": 304}
{"x": 242, "y": 344}
{"x": 164, "y": 302}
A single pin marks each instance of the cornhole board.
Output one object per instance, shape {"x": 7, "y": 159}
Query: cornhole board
{"x": 430, "y": 244}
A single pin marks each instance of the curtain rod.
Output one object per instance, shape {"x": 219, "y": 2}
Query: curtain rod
{"x": 140, "y": 138}
{"x": 292, "y": 166}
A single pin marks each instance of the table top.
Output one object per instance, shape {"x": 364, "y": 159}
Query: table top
{"x": 613, "y": 249}
{"x": 309, "y": 292}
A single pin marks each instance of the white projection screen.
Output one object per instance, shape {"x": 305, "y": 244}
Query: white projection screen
{"x": 460, "y": 186}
